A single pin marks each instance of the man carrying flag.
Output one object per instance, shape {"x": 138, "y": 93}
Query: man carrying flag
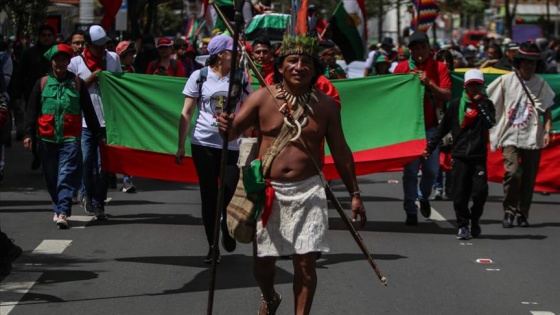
{"x": 437, "y": 82}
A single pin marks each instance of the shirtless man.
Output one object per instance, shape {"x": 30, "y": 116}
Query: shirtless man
{"x": 299, "y": 190}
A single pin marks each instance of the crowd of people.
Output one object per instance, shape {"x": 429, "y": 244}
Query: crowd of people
{"x": 57, "y": 110}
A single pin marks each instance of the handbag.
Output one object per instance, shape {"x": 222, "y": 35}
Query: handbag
{"x": 241, "y": 209}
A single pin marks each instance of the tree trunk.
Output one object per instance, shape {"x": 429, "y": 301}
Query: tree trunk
{"x": 380, "y": 21}
{"x": 150, "y": 11}
{"x": 399, "y": 37}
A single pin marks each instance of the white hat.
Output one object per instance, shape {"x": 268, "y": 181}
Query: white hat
{"x": 474, "y": 75}
{"x": 98, "y": 35}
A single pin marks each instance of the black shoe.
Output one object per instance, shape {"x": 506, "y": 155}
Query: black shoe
{"x": 36, "y": 163}
{"x": 13, "y": 253}
{"x": 411, "y": 219}
{"x": 508, "y": 220}
{"x": 522, "y": 222}
{"x": 425, "y": 208}
{"x": 208, "y": 258}
{"x": 228, "y": 242}
{"x": 475, "y": 229}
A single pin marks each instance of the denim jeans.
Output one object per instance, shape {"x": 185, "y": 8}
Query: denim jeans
{"x": 430, "y": 167}
{"x": 95, "y": 182}
{"x": 61, "y": 167}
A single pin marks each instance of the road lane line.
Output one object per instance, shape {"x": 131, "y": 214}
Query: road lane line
{"x": 49, "y": 247}
{"x": 16, "y": 285}
{"x": 541, "y": 313}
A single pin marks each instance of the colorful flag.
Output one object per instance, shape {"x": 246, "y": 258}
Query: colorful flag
{"x": 301, "y": 6}
{"x": 213, "y": 20}
{"x": 111, "y": 9}
{"x": 426, "y": 12}
{"x": 191, "y": 29}
{"x": 349, "y": 30}
{"x": 142, "y": 114}
{"x": 269, "y": 25}
{"x": 548, "y": 177}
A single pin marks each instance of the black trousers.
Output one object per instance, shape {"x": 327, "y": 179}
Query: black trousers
{"x": 207, "y": 162}
{"x": 470, "y": 181}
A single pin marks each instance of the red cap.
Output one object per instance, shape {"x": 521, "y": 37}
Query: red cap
{"x": 63, "y": 48}
{"x": 164, "y": 41}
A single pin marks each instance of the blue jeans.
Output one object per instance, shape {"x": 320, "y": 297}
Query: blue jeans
{"x": 430, "y": 167}
{"x": 95, "y": 182}
{"x": 61, "y": 167}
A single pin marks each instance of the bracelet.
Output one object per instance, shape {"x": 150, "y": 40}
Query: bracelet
{"x": 356, "y": 193}
{"x": 548, "y": 132}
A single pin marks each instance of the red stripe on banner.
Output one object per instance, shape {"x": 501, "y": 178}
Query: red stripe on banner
{"x": 548, "y": 177}
{"x": 384, "y": 159}
{"x": 139, "y": 163}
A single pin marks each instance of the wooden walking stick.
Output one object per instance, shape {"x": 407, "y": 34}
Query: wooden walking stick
{"x": 234, "y": 93}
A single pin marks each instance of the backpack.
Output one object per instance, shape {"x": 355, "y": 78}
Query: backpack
{"x": 203, "y": 74}
{"x": 157, "y": 61}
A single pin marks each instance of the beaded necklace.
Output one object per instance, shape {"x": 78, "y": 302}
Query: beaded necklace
{"x": 297, "y": 102}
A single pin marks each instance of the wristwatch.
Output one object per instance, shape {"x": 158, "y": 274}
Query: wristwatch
{"x": 549, "y": 132}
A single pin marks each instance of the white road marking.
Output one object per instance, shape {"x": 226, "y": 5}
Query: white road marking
{"x": 437, "y": 217}
{"x": 527, "y": 303}
{"x": 16, "y": 285}
{"x": 492, "y": 269}
{"x": 81, "y": 218}
{"x": 542, "y": 313}
{"x": 49, "y": 247}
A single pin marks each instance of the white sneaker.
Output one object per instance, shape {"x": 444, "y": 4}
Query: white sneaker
{"x": 86, "y": 204}
{"x": 463, "y": 233}
{"x": 62, "y": 222}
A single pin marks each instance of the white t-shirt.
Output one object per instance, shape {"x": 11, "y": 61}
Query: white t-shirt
{"x": 214, "y": 97}
{"x": 78, "y": 66}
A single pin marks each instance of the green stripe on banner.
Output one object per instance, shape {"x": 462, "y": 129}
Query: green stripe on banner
{"x": 142, "y": 111}
{"x": 382, "y": 119}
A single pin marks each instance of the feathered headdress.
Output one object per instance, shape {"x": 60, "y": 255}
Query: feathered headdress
{"x": 296, "y": 40}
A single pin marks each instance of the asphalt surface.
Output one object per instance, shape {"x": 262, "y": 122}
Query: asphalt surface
{"x": 148, "y": 257}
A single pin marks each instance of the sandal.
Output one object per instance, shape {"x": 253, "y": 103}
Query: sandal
{"x": 270, "y": 307}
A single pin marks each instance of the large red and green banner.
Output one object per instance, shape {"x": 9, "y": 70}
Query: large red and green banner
{"x": 382, "y": 119}
{"x": 548, "y": 178}
{"x": 381, "y": 116}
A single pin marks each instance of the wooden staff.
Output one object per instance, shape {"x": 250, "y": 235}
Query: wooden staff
{"x": 234, "y": 92}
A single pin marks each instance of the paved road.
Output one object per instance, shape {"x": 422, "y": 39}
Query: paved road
{"x": 147, "y": 258}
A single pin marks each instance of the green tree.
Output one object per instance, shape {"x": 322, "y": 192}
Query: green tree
{"x": 26, "y": 15}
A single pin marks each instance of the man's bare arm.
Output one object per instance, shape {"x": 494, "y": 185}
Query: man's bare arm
{"x": 344, "y": 162}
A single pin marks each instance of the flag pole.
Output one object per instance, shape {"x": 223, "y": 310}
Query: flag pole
{"x": 234, "y": 93}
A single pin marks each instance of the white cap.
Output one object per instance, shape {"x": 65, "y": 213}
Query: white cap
{"x": 474, "y": 75}
{"x": 98, "y": 35}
